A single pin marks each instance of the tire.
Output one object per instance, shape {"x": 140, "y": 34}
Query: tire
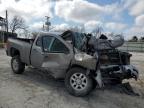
{"x": 78, "y": 83}
{"x": 17, "y": 66}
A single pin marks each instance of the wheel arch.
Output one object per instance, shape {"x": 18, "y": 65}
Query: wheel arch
{"x": 14, "y": 52}
{"x": 76, "y": 66}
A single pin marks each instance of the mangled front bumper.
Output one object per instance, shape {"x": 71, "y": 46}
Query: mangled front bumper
{"x": 124, "y": 72}
{"x": 131, "y": 71}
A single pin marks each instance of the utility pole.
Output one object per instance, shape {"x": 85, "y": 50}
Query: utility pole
{"x": 47, "y": 23}
{"x": 6, "y": 21}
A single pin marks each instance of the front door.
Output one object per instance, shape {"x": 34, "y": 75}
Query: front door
{"x": 55, "y": 56}
{"x": 36, "y": 56}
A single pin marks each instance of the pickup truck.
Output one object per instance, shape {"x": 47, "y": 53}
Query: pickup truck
{"x": 69, "y": 56}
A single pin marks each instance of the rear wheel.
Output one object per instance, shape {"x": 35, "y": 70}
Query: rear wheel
{"x": 78, "y": 83}
{"x": 16, "y": 65}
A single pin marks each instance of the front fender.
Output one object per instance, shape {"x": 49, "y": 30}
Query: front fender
{"x": 84, "y": 60}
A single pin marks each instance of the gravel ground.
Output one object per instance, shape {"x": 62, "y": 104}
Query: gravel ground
{"x": 37, "y": 89}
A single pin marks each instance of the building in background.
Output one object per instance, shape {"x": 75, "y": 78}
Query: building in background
{"x": 2, "y": 28}
{"x": 4, "y": 34}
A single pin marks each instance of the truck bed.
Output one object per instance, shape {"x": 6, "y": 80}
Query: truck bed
{"x": 23, "y": 46}
{"x": 25, "y": 40}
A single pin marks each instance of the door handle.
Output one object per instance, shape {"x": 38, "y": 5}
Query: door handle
{"x": 36, "y": 50}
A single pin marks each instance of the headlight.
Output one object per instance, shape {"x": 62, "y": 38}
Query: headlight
{"x": 81, "y": 57}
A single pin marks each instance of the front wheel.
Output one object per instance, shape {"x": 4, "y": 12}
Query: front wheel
{"x": 78, "y": 83}
{"x": 16, "y": 65}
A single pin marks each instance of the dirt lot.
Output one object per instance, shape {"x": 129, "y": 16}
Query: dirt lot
{"x": 36, "y": 89}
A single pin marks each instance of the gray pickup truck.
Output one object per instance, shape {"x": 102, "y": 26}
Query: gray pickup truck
{"x": 69, "y": 56}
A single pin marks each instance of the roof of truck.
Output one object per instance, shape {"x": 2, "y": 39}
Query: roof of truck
{"x": 56, "y": 33}
{"x": 52, "y": 33}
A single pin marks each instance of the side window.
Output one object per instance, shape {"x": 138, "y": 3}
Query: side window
{"x": 47, "y": 40}
{"x": 39, "y": 42}
{"x": 58, "y": 47}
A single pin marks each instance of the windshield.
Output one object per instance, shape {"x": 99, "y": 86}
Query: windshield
{"x": 79, "y": 39}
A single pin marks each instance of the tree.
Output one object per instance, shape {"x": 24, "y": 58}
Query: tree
{"x": 97, "y": 31}
{"x": 17, "y": 23}
{"x": 134, "y": 39}
{"x": 142, "y": 39}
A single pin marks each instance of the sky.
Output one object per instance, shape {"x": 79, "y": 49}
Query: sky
{"x": 117, "y": 16}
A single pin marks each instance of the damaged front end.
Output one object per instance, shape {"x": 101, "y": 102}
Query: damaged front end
{"x": 106, "y": 70}
{"x": 115, "y": 73}
{"x": 100, "y": 56}
{"x": 114, "y": 65}
{"x": 131, "y": 71}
